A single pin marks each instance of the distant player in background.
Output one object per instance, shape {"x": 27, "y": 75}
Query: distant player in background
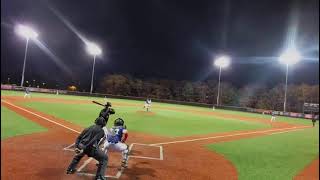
{"x": 27, "y": 93}
{"x": 314, "y": 119}
{"x": 115, "y": 140}
{"x": 273, "y": 116}
{"x": 147, "y": 104}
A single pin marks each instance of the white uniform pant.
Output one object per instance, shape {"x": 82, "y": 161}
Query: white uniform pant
{"x": 119, "y": 147}
{"x": 273, "y": 118}
{"x": 147, "y": 106}
{"x": 26, "y": 94}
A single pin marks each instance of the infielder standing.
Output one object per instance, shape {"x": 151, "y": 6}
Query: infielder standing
{"x": 273, "y": 116}
{"x": 26, "y": 93}
{"x": 115, "y": 140}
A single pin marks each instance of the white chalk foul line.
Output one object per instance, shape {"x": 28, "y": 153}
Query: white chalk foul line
{"x": 230, "y": 135}
{"x": 286, "y": 131}
{"x": 41, "y": 116}
{"x": 90, "y": 174}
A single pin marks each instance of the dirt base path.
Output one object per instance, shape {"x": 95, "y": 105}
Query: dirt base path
{"x": 41, "y": 155}
{"x": 311, "y": 172}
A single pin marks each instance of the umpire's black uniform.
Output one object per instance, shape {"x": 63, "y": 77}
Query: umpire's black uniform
{"x": 88, "y": 142}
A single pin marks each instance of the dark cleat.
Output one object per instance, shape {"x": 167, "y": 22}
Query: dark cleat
{"x": 71, "y": 171}
{"x": 101, "y": 178}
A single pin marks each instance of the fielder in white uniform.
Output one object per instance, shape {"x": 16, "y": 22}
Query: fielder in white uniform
{"x": 115, "y": 140}
{"x": 27, "y": 93}
{"x": 273, "y": 116}
{"x": 147, "y": 104}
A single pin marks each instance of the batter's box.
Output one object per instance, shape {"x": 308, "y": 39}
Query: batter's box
{"x": 136, "y": 150}
{"x": 71, "y": 147}
{"x": 146, "y": 151}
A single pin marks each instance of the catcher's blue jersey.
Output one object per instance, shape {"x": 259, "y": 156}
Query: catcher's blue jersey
{"x": 115, "y": 134}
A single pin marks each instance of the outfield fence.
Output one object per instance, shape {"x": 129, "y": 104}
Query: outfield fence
{"x": 234, "y": 108}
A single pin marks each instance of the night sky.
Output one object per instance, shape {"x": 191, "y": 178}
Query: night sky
{"x": 167, "y": 39}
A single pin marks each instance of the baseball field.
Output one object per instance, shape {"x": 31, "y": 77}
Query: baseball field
{"x": 169, "y": 142}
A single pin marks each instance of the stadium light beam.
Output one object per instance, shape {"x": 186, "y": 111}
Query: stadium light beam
{"x": 221, "y": 62}
{"x": 27, "y": 33}
{"x": 289, "y": 57}
{"x": 94, "y": 50}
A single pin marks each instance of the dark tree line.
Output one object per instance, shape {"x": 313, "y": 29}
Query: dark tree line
{"x": 255, "y": 96}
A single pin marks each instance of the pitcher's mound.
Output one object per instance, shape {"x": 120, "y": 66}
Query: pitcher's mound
{"x": 146, "y": 113}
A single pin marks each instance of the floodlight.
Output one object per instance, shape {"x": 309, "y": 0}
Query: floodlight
{"x": 26, "y": 32}
{"x": 222, "y": 61}
{"x": 93, "y": 49}
{"x": 290, "y": 56}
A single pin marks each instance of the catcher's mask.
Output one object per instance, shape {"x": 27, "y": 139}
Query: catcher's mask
{"x": 119, "y": 122}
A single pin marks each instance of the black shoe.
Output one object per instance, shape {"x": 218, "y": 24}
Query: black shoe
{"x": 101, "y": 178}
{"x": 71, "y": 171}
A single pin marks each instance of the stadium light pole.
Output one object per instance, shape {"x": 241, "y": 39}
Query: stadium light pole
{"x": 94, "y": 50}
{"x": 221, "y": 62}
{"x": 27, "y": 33}
{"x": 289, "y": 57}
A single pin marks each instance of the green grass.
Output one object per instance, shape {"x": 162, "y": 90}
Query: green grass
{"x": 165, "y": 105}
{"x": 276, "y": 157}
{"x": 13, "y": 124}
{"x": 164, "y": 122}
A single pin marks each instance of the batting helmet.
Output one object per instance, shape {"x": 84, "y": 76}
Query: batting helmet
{"x": 119, "y": 122}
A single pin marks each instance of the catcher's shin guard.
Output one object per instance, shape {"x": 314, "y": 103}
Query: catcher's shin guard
{"x": 125, "y": 153}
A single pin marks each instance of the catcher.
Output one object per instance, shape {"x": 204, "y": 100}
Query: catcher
{"x": 115, "y": 140}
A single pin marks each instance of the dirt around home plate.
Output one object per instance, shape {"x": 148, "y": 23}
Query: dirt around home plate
{"x": 40, "y": 155}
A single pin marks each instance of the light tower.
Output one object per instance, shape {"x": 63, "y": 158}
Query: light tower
{"x": 27, "y": 33}
{"x": 288, "y": 57}
{"x": 94, "y": 50}
{"x": 221, "y": 62}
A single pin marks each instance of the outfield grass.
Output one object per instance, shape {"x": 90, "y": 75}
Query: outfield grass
{"x": 165, "y": 105}
{"x": 163, "y": 122}
{"x": 276, "y": 157}
{"x": 13, "y": 124}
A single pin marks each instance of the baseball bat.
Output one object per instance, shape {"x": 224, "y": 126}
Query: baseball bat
{"x": 98, "y": 103}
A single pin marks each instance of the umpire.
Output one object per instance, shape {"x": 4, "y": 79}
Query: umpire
{"x": 87, "y": 144}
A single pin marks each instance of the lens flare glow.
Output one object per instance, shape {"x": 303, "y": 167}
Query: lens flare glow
{"x": 290, "y": 56}
{"x": 222, "y": 61}
{"x": 26, "y": 32}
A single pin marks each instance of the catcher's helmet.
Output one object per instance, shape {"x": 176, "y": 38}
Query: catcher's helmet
{"x": 119, "y": 122}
